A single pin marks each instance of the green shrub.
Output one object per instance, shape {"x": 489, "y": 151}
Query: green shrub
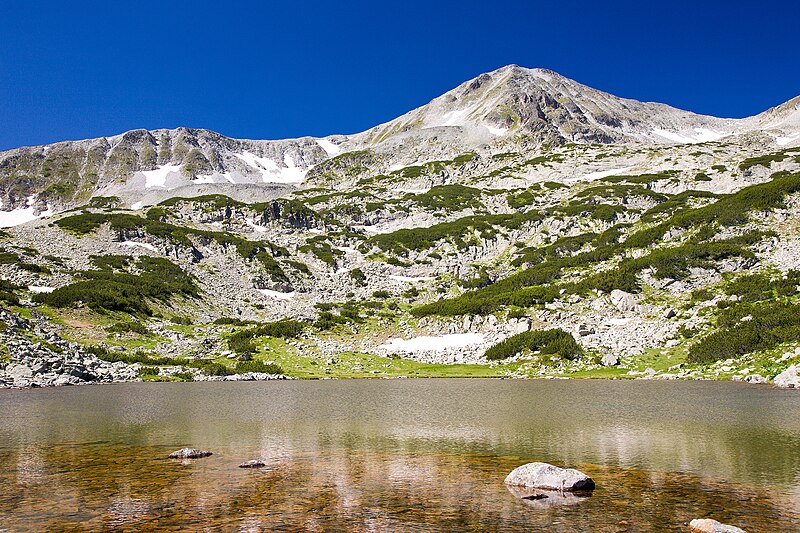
{"x": 242, "y": 341}
{"x": 550, "y": 341}
{"x": 358, "y": 276}
{"x": 747, "y": 328}
{"x": 128, "y": 327}
{"x": 158, "y": 279}
{"x": 257, "y": 366}
{"x": 123, "y": 223}
{"x": 149, "y": 371}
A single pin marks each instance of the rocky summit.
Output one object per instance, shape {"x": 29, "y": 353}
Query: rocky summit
{"x": 520, "y": 225}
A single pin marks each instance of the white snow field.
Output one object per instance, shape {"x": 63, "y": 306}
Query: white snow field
{"x": 427, "y": 344}
{"x": 270, "y": 171}
{"x": 158, "y": 177}
{"x": 330, "y": 148}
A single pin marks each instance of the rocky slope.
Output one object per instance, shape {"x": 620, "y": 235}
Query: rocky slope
{"x": 521, "y": 223}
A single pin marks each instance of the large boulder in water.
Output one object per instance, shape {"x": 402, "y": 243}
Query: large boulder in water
{"x": 706, "y": 525}
{"x": 549, "y": 477}
{"x": 189, "y": 453}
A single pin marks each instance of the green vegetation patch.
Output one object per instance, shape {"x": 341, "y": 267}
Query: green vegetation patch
{"x": 11, "y": 258}
{"x": 242, "y": 341}
{"x": 462, "y": 232}
{"x": 746, "y": 328}
{"x": 110, "y": 289}
{"x": 549, "y": 341}
{"x": 262, "y": 251}
{"x": 767, "y": 159}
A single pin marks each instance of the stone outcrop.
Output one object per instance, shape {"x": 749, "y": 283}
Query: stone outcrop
{"x": 548, "y": 477}
{"x": 789, "y": 378}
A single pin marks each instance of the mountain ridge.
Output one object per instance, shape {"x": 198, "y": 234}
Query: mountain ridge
{"x": 511, "y": 108}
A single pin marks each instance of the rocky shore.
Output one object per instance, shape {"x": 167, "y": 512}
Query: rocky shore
{"x": 38, "y": 357}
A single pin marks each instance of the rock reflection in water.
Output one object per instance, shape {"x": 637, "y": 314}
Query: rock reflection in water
{"x": 542, "y": 499}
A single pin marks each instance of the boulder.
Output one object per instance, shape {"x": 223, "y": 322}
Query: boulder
{"x": 706, "y": 525}
{"x": 549, "y": 477}
{"x": 609, "y": 359}
{"x": 756, "y": 379}
{"x": 66, "y": 379}
{"x": 253, "y": 463}
{"x": 789, "y": 379}
{"x": 189, "y": 453}
{"x": 624, "y": 301}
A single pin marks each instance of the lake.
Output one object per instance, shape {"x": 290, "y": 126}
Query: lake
{"x": 377, "y": 455}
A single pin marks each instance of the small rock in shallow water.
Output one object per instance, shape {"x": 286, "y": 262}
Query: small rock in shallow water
{"x": 547, "y": 476}
{"x": 706, "y": 525}
{"x": 189, "y": 453}
{"x": 253, "y": 463}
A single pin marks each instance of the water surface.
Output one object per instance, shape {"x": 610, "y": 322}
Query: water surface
{"x": 426, "y": 455}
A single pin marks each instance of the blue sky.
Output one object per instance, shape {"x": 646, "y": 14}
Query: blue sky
{"x": 265, "y": 70}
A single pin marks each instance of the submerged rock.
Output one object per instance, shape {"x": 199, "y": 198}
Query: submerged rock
{"x": 549, "y": 477}
{"x": 706, "y": 525}
{"x": 789, "y": 378}
{"x": 253, "y": 463}
{"x": 189, "y": 453}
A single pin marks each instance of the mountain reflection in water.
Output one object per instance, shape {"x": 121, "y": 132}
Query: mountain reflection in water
{"x": 405, "y": 454}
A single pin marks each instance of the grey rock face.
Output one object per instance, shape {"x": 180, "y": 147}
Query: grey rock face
{"x": 189, "y": 453}
{"x": 789, "y": 379}
{"x": 707, "y": 525}
{"x": 549, "y": 477}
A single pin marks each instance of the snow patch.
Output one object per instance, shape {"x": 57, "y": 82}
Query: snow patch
{"x": 597, "y": 175}
{"x": 411, "y": 191}
{"x": 452, "y": 118}
{"x": 411, "y": 279}
{"x": 158, "y": 177}
{"x": 139, "y": 244}
{"x": 277, "y": 294}
{"x": 330, "y": 148}
{"x": 270, "y": 171}
{"x": 256, "y": 227}
{"x": 137, "y": 206}
{"x": 426, "y": 344}
{"x": 39, "y": 289}
{"x": 496, "y": 131}
{"x": 21, "y": 216}
{"x": 701, "y": 135}
{"x": 783, "y": 141}
{"x": 705, "y": 135}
